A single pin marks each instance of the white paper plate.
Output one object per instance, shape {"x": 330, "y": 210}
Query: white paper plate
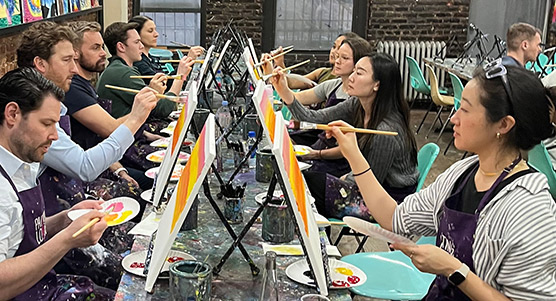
{"x": 137, "y": 258}
{"x": 342, "y": 274}
{"x": 303, "y": 166}
{"x": 165, "y": 142}
{"x": 146, "y": 195}
{"x": 301, "y": 78}
{"x": 175, "y": 174}
{"x": 259, "y": 198}
{"x": 375, "y": 231}
{"x": 301, "y": 150}
{"x": 175, "y": 114}
{"x": 170, "y": 128}
{"x": 125, "y": 208}
{"x": 157, "y": 156}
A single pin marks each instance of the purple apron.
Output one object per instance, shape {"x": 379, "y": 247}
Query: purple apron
{"x": 34, "y": 234}
{"x": 456, "y": 233}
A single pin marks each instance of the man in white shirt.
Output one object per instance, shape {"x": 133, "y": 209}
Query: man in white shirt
{"x": 30, "y": 243}
{"x": 48, "y": 47}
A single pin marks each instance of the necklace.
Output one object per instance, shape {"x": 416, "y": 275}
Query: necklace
{"x": 489, "y": 174}
{"x": 492, "y": 174}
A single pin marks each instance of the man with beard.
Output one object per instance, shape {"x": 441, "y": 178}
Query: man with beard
{"x": 48, "y": 47}
{"x": 31, "y": 243}
{"x": 90, "y": 121}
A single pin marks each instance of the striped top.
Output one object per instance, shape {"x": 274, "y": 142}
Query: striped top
{"x": 514, "y": 249}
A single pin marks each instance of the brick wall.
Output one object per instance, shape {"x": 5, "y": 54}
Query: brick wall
{"x": 387, "y": 20}
{"x": 9, "y": 44}
{"x": 247, "y": 16}
{"x": 410, "y": 20}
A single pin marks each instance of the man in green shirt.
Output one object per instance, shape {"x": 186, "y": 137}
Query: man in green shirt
{"x": 124, "y": 44}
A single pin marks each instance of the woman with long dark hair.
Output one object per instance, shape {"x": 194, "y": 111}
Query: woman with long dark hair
{"x": 493, "y": 215}
{"x": 375, "y": 103}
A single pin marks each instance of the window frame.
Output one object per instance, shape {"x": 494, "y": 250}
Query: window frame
{"x": 358, "y": 24}
{"x": 203, "y": 11}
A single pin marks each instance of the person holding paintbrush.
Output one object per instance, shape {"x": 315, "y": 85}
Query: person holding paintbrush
{"x": 149, "y": 36}
{"x": 493, "y": 216}
{"x": 124, "y": 43}
{"x": 30, "y": 243}
{"x": 376, "y": 103}
{"x": 324, "y": 95}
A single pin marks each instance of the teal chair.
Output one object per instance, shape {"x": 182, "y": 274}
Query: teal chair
{"x": 419, "y": 84}
{"x": 540, "y": 160}
{"x": 390, "y": 275}
{"x": 425, "y": 158}
{"x": 180, "y": 54}
{"x": 457, "y": 85}
{"x": 167, "y": 68}
{"x": 161, "y": 54}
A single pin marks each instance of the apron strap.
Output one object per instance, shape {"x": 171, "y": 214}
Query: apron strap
{"x": 489, "y": 194}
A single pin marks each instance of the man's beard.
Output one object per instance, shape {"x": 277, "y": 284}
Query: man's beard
{"x": 96, "y": 67}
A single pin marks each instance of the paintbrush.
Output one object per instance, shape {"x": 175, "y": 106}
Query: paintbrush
{"x": 177, "y": 99}
{"x": 180, "y": 44}
{"x": 265, "y": 77}
{"x": 313, "y": 126}
{"x": 326, "y": 223}
{"x": 176, "y": 77}
{"x": 273, "y": 57}
{"x": 91, "y": 223}
{"x": 177, "y": 61}
{"x": 283, "y": 49}
{"x": 199, "y": 265}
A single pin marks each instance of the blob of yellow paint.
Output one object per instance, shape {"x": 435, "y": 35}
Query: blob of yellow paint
{"x": 344, "y": 271}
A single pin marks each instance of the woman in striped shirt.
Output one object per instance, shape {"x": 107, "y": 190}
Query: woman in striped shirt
{"x": 493, "y": 216}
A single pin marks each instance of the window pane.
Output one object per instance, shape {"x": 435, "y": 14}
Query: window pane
{"x": 180, "y": 27}
{"x": 171, "y": 4}
{"x": 311, "y": 24}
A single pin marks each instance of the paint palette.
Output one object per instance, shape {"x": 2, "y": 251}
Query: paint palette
{"x": 123, "y": 210}
{"x": 301, "y": 150}
{"x": 134, "y": 263}
{"x": 158, "y": 156}
{"x": 175, "y": 174}
{"x": 165, "y": 142}
{"x": 147, "y": 195}
{"x": 375, "y": 231}
{"x": 303, "y": 166}
{"x": 175, "y": 114}
{"x": 170, "y": 128}
{"x": 342, "y": 274}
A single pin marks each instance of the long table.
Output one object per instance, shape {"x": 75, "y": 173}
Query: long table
{"x": 210, "y": 238}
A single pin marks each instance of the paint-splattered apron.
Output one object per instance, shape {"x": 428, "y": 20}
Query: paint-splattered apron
{"x": 51, "y": 286}
{"x": 456, "y": 232}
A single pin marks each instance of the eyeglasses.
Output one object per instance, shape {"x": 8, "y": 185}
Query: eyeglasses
{"x": 496, "y": 69}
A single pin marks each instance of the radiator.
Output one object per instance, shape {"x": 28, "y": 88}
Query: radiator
{"x": 418, "y": 50}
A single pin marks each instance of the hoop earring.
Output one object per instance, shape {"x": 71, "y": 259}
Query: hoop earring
{"x": 497, "y": 135}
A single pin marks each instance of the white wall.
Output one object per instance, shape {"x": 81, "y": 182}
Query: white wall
{"x": 114, "y": 10}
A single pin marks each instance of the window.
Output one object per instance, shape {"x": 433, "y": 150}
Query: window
{"x": 176, "y": 20}
{"x": 311, "y": 24}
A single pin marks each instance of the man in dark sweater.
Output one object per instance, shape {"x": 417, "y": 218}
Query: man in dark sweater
{"x": 124, "y": 43}
{"x": 90, "y": 122}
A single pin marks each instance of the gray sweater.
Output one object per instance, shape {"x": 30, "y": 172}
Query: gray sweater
{"x": 388, "y": 156}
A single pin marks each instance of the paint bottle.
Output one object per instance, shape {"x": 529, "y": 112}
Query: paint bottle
{"x": 269, "y": 288}
{"x": 251, "y": 141}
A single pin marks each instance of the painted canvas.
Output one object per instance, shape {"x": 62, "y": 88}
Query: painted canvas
{"x": 180, "y": 203}
{"x": 204, "y": 67}
{"x": 13, "y": 12}
{"x": 49, "y": 8}
{"x": 262, "y": 98}
{"x": 84, "y": 4}
{"x": 3, "y": 14}
{"x": 294, "y": 186}
{"x": 74, "y": 5}
{"x": 177, "y": 138}
{"x": 63, "y": 7}
{"x": 32, "y": 10}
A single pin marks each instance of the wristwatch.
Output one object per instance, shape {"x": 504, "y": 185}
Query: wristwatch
{"x": 459, "y": 275}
